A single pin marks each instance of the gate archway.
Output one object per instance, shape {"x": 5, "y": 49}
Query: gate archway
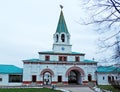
{"x": 47, "y": 76}
{"x": 75, "y": 75}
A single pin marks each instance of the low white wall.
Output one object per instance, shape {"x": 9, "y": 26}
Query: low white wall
{"x": 15, "y": 84}
{"x": 104, "y": 81}
{"x": 5, "y": 81}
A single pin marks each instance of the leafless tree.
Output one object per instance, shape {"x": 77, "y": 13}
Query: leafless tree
{"x": 106, "y": 17}
{"x": 116, "y": 55}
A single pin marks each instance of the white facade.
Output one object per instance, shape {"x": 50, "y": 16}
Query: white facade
{"x": 36, "y": 69}
{"x": 59, "y": 48}
{"x": 55, "y": 58}
{"x": 104, "y": 78}
{"x": 4, "y": 81}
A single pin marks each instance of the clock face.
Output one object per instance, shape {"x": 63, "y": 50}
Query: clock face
{"x": 63, "y": 48}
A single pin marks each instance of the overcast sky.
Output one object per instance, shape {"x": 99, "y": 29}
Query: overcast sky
{"x": 27, "y": 27}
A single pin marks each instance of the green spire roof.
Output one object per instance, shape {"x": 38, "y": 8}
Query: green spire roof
{"x": 61, "y": 27}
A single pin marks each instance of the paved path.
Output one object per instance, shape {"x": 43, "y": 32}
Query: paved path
{"x": 77, "y": 89}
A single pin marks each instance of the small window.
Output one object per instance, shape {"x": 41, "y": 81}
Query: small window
{"x": 15, "y": 78}
{"x": 116, "y": 77}
{"x": 63, "y": 38}
{"x": 112, "y": 78}
{"x": 57, "y": 38}
{"x": 0, "y": 79}
{"x": 65, "y": 59}
{"x": 60, "y": 58}
{"x": 77, "y": 59}
{"x": 47, "y": 58}
{"x": 103, "y": 77}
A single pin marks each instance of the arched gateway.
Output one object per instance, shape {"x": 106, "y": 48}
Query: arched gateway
{"x": 47, "y": 76}
{"x": 75, "y": 75}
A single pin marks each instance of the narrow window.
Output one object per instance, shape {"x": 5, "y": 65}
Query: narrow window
{"x": 0, "y": 79}
{"x": 116, "y": 77}
{"x": 65, "y": 58}
{"x": 63, "y": 38}
{"x": 47, "y": 58}
{"x": 56, "y": 38}
{"x": 103, "y": 77}
{"x": 77, "y": 59}
{"x": 112, "y": 78}
{"x": 60, "y": 58}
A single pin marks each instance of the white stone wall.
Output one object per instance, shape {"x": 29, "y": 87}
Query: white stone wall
{"x": 26, "y": 72}
{"x": 42, "y": 57}
{"x": 5, "y": 81}
{"x": 104, "y": 81}
{"x": 81, "y": 58}
{"x": 15, "y": 84}
{"x": 35, "y": 69}
{"x": 56, "y": 57}
{"x": 58, "y": 48}
{"x": 70, "y": 58}
{"x": 90, "y": 69}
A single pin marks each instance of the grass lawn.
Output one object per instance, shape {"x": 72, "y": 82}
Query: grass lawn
{"x": 109, "y": 87}
{"x": 27, "y": 90}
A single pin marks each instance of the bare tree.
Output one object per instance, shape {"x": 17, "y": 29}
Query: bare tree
{"x": 106, "y": 16}
{"x": 117, "y": 51}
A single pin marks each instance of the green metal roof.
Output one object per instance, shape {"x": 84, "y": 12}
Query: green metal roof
{"x": 88, "y": 61}
{"x": 37, "y": 60}
{"x": 52, "y": 52}
{"x": 76, "y": 53}
{"x": 108, "y": 69}
{"x": 31, "y": 60}
{"x": 10, "y": 69}
{"x": 34, "y": 60}
{"x": 61, "y": 27}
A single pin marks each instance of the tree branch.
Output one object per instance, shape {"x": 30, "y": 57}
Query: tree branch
{"x": 113, "y": 3}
